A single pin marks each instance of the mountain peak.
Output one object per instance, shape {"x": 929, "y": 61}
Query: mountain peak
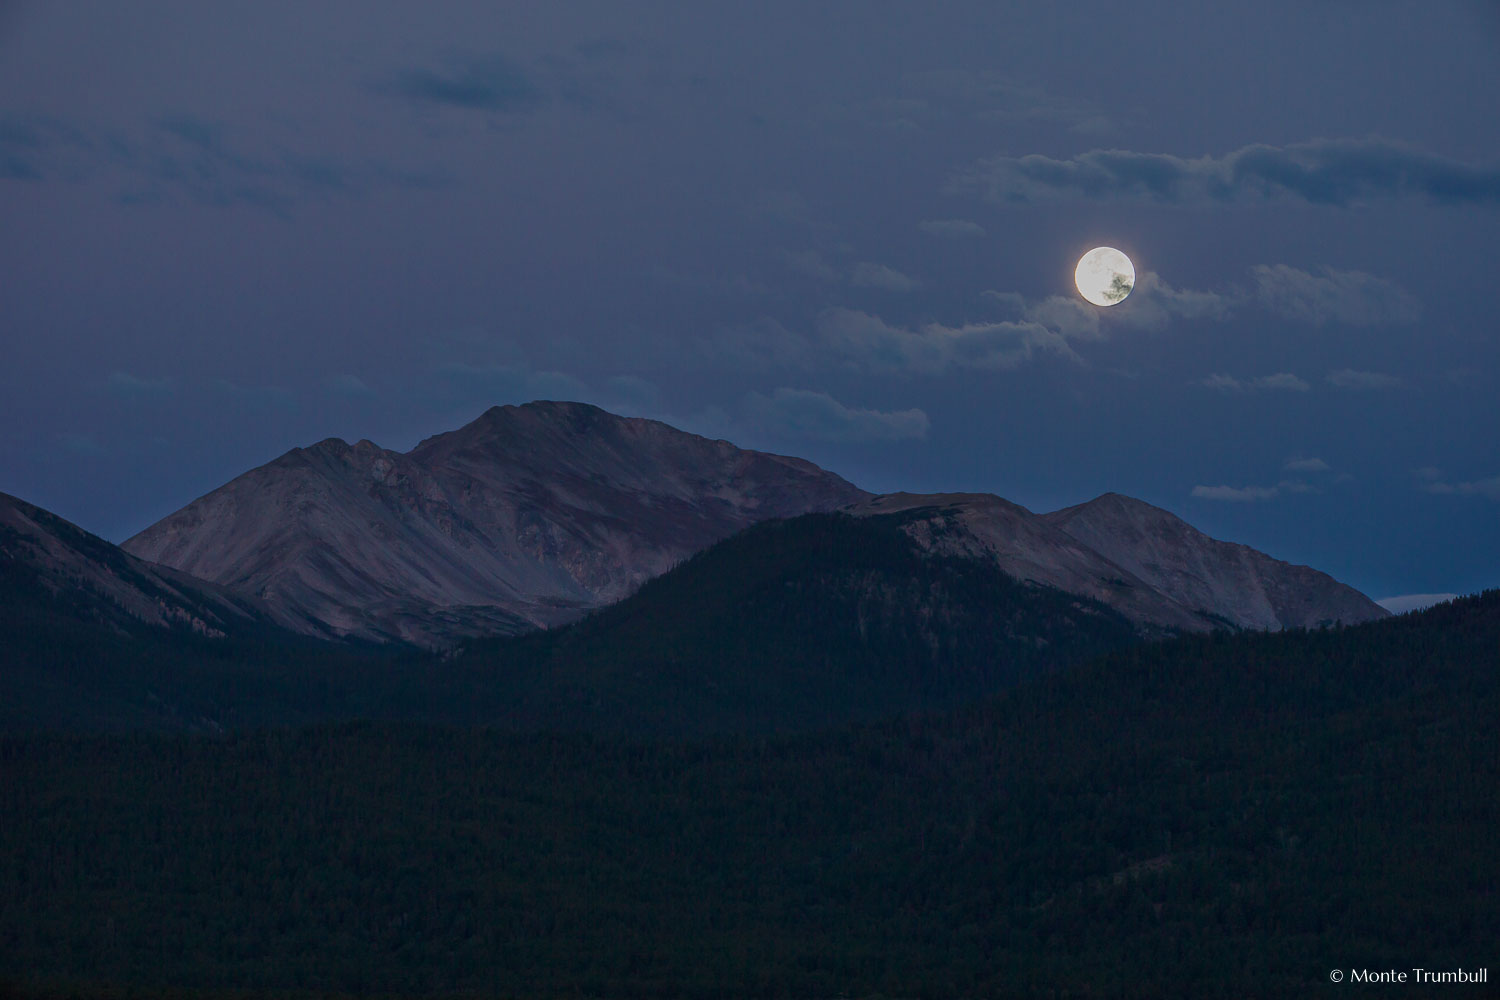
{"x": 526, "y": 516}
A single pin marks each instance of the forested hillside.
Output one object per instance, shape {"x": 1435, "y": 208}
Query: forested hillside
{"x": 791, "y": 625}
{"x": 1215, "y": 816}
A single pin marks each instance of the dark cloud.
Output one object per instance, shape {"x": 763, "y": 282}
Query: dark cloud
{"x": 39, "y": 147}
{"x": 474, "y": 83}
{"x": 1322, "y": 172}
{"x": 1352, "y": 298}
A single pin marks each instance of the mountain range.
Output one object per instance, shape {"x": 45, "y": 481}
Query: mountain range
{"x": 527, "y": 517}
{"x": 778, "y": 736}
{"x": 531, "y": 516}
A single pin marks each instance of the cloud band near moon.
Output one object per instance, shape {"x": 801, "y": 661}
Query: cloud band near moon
{"x": 1337, "y": 172}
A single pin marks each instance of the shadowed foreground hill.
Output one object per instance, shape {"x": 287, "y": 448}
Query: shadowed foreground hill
{"x": 801, "y": 624}
{"x": 1223, "y": 815}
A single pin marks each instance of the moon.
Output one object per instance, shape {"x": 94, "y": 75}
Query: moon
{"x": 1104, "y": 276}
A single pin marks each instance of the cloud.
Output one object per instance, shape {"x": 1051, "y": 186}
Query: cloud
{"x": 126, "y": 384}
{"x": 1252, "y": 494}
{"x": 349, "y": 385}
{"x": 865, "y": 274}
{"x": 1279, "y": 381}
{"x": 865, "y": 342}
{"x": 1307, "y": 465}
{"x": 1012, "y": 303}
{"x": 811, "y": 264}
{"x": 1349, "y": 378}
{"x": 37, "y": 147}
{"x": 1241, "y": 494}
{"x": 1412, "y": 602}
{"x": 186, "y": 156}
{"x": 951, "y": 228}
{"x": 1487, "y": 488}
{"x": 869, "y": 344}
{"x": 1152, "y": 305}
{"x": 1338, "y": 172}
{"x": 1353, "y": 298}
{"x": 807, "y": 414}
{"x": 470, "y": 83}
{"x": 868, "y": 275}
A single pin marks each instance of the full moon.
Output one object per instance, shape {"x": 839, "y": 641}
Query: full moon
{"x": 1104, "y": 276}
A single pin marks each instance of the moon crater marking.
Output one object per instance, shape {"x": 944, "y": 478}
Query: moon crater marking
{"x": 1104, "y": 276}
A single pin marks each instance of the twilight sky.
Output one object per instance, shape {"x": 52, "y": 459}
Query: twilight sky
{"x": 842, "y": 230}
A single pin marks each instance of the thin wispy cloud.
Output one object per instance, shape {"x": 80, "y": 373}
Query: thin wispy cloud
{"x": 864, "y": 342}
{"x": 346, "y": 384}
{"x": 1337, "y": 172}
{"x": 182, "y": 157}
{"x": 1252, "y": 494}
{"x": 804, "y": 413}
{"x": 470, "y": 83}
{"x": 1489, "y": 488}
{"x": 1352, "y": 298}
{"x": 934, "y": 98}
{"x": 869, "y": 275}
{"x": 1280, "y": 381}
{"x": 861, "y": 274}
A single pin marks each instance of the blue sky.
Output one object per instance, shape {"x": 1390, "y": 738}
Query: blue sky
{"x": 845, "y": 232}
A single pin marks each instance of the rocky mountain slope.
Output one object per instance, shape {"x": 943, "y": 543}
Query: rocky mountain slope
{"x": 48, "y": 562}
{"x": 1226, "y": 579}
{"x": 1144, "y": 562}
{"x": 528, "y": 516}
{"x": 533, "y": 515}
